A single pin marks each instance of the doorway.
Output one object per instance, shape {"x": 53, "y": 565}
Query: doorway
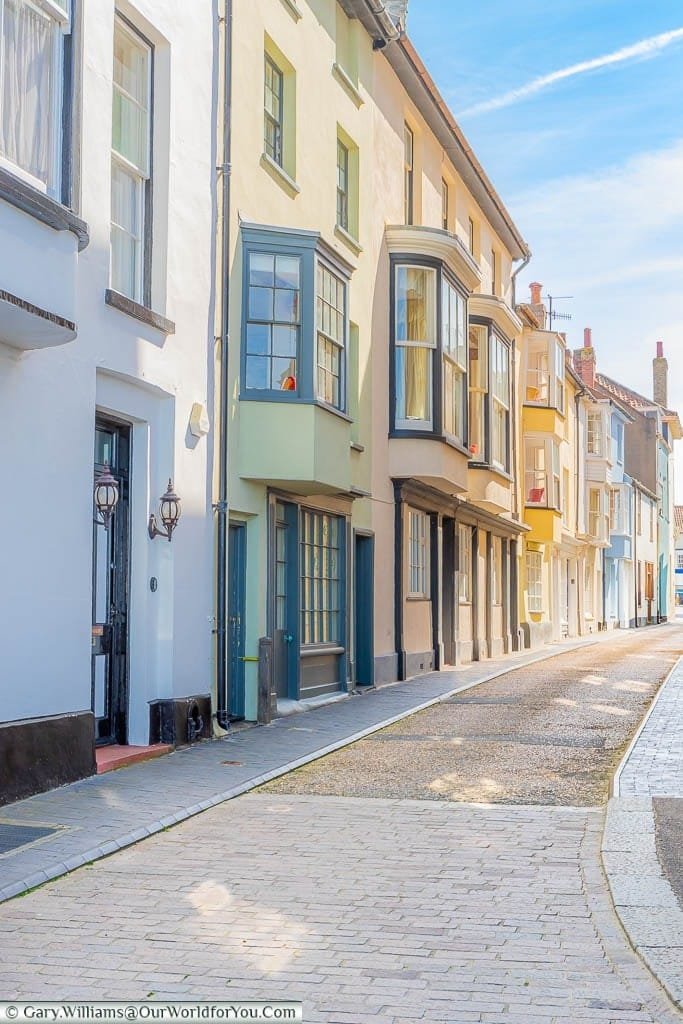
{"x": 237, "y": 562}
{"x": 286, "y": 601}
{"x": 364, "y": 626}
{"x": 111, "y": 569}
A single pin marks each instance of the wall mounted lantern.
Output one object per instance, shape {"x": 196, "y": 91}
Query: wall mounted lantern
{"x": 106, "y": 496}
{"x": 169, "y": 513}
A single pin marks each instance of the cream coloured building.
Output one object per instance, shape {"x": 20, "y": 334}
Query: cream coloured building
{"x": 374, "y": 522}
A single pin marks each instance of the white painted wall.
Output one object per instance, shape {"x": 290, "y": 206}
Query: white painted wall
{"x": 48, "y": 399}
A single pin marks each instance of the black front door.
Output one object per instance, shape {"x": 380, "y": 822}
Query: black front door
{"x": 111, "y": 548}
{"x": 449, "y": 590}
{"x": 236, "y": 601}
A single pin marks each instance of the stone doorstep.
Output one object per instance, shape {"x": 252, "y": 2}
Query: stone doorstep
{"x": 116, "y": 755}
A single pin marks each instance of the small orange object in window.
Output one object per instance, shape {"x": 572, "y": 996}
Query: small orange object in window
{"x": 289, "y": 383}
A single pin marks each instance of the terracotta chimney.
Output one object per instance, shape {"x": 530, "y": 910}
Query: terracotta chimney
{"x": 584, "y": 359}
{"x": 537, "y": 302}
{"x": 660, "y": 373}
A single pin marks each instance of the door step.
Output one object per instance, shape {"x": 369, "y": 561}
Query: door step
{"x": 116, "y": 755}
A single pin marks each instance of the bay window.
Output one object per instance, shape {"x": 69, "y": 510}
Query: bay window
{"x": 131, "y": 162}
{"x": 542, "y": 473}
{"x": 454, "y": 346}
{"x": 595, "y": 514}
{"x": 331, "y": 333}
{"x": 33, "y": 71}
{"x": 478, "y": 385}
{"x": 594, "y": 434}
{"x": 500, "y": 402}
{"x": 415, "y": 341}
{"x": 294, "y": 319}
{"x": 545, "y": 373}
{"x": 273, "y": 322}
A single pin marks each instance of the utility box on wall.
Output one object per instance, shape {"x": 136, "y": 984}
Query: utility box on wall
{"x": 180, "y": 720}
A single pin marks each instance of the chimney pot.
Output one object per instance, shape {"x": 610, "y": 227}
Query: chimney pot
{"x": 660, "y": 350}
{"x": 587, "y": 337}
{"x": 660, "y": 373}
{"x": 535, "y": 289}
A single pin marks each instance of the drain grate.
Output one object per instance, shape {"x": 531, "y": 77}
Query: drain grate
{"x": 12, "y": 837}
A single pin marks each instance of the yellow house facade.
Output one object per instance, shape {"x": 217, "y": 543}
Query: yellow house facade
{"x": 374, "y": 522}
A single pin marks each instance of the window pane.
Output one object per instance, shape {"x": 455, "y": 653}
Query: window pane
{"x": 257, "y": 372}
{"x": 283, "y": 372}
{"x": 130, "y": 117}
{"x": 286, "y": 305}
{"x": 286, "y": 272}
{"x": 124, "y": 250}
{"x": 258, "y": 339}
{"x": 413, "y": 384}
{"x": 261, "y": 269}
{"x": 261, "y": 303}
{"x": 28, "y": 77}
{"x": 284, "y": 341}
{"x": 415, "y": 305}
{"x": 125, "y": 199}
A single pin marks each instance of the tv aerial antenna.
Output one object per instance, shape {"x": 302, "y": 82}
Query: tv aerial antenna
{"x": 554, "y": 314}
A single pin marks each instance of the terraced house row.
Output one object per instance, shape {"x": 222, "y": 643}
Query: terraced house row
{"x": 266, "y": 310}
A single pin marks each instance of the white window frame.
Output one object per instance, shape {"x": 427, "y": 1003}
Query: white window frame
{"x": 142, "y": 175}
{"x": 545, "y": 374}
{"x": 546, "y": 478}
{"x": 596, "y": 514}
{"x": 534, "y": 580}
{"x": 60, "y": 15}
{"x": 327, "y": 340}
{"x": 408, "y": 174}
{"x": 595, "y": 434}
{"x": 405, "y": 423}
{"x": 419, "y": 536}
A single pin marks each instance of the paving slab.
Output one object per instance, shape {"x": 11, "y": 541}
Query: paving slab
{"x": 105, "y": 813}
{"x": 352, "y": 906}
{"x": 643, "y": 838}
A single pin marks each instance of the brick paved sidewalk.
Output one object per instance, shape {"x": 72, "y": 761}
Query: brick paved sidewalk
{"x": 370, "y": 911}
{"x": 632, "y": 850}
{"x": 105, "y": 813}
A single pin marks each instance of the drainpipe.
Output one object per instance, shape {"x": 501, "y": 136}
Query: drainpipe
{"x": 513, "y": 277}
{"x": 221, "y": 506}
{"x": 384, "y": 20}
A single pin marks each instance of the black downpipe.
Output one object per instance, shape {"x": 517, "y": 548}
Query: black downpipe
{"x": 222, "y": 686}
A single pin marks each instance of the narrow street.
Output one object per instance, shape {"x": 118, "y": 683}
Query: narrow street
{"x": 445, "y": 869}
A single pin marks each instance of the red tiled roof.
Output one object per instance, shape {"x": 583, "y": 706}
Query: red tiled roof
{"x": 627, "y": 395}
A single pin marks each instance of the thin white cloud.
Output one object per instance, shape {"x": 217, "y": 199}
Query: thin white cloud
{"x": 642, "y": 50}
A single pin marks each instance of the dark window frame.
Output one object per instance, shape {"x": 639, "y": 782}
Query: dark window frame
{"x": 277, "y": 156}
{"x": 486, "y": 462}
{"x": 308, "y": 248}
{"x": 436, "y": 432}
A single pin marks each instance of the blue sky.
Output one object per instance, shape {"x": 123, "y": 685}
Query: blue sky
{"x": 590, "y": 165}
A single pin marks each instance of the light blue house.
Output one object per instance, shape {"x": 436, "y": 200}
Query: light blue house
{"x": 618, "y": 575}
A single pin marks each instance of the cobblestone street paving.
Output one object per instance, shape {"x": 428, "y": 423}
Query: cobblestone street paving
{"x": 550, "y": 733}
{"x": 378, "y": 907}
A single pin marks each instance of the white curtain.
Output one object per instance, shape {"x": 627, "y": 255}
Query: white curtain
{"x": 27, "y": 83}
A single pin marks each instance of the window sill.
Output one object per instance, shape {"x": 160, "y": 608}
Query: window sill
{"x": 293, "y": 9}
{"x": 503, "y": 473}
{"x": 138, "y": 311}
{"x": 279, "y": 174}
{"x": 417, "y": 597}
{"x": 18, "y": 193}
{"x": 344, "y": 79}
{"x": 356, "y": 447}
{"x": 290, "y": 398}
{"x": 399, "y": 433}
{"x": 354, "y": 245}
{"x": 332, "y": 409}
{"x": 318, "y": 650}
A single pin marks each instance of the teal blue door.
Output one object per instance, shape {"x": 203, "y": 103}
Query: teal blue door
{"x": 237, "y": 562}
